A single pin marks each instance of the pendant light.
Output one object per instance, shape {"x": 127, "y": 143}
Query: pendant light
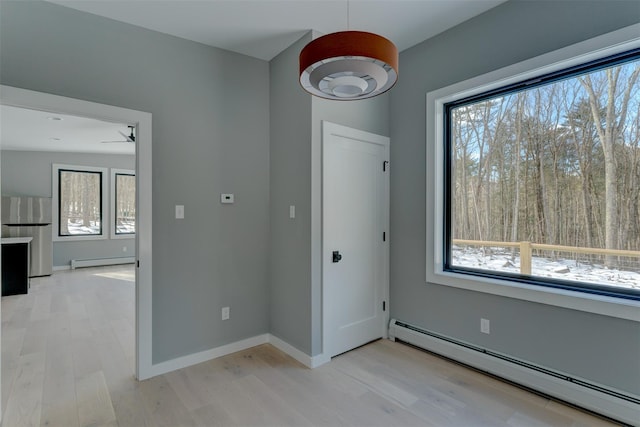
{"x": 348, "y": 65}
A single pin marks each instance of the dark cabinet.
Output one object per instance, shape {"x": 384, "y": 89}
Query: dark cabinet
{"x": 15, "y": 268}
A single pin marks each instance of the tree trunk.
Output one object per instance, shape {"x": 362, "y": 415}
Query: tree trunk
{"x": 608, "y": 134}
{"x": 516, "y": 173}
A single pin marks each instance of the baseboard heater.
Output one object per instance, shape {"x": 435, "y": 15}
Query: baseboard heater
{"x": 99, "y": 262}
{"x": 615, "y": 404}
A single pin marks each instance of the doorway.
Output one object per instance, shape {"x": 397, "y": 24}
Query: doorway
{"x": 141, "y": 123}
{"x": 355, "y": 243}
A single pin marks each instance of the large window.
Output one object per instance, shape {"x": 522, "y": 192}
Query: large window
{"x": 533, "y": 179}
{"x": 79, "y": 202}
{"x": 123, "y": 183}
{"x": 542, "y": 179}
{"x": 86, "y": 206}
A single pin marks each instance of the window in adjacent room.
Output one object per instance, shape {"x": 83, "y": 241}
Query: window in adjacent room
{"x": 542, "y": 179}
{"x": 79, "y": 202}
{"x": 124, "y": 202}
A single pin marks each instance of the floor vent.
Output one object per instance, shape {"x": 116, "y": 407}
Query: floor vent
{"x": 603, "y": 400}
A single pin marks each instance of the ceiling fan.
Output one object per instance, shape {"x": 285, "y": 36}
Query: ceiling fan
{"x": 128, "y": 138}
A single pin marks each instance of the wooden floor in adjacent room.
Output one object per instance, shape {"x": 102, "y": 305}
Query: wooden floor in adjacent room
{"x": 68, "y": 358}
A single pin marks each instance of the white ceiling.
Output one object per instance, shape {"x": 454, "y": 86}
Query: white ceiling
{"x": 258, "y": 28}
{"x": 30, "y": 130}
{"x": 264, "y": 28}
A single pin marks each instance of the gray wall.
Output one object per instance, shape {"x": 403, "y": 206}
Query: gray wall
{"x": 296, "y": 117}
{"x": 29, "y": 173}
{"x": 210, "y": 135}
{"x": 290, "y": 184}
{"x": 599, "y": 348}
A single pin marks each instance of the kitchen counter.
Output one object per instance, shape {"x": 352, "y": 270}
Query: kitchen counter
{"x": 15, "y": 240}
{"x": 15, "y": 265}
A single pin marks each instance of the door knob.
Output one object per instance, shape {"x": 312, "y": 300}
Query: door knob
{"x": 336, "y": 256}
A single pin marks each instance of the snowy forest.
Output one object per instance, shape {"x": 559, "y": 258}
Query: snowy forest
{"x": 81, "y": 203}
{"x": 557, "y": 164}
{"x": 125, "y": 203}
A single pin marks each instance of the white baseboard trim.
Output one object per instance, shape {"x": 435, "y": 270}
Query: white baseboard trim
{"x": 206, "y": 355}
{"x": 602, "y": 403}
{"x": 319, "y": 360}
{"x": 305, "y": 359}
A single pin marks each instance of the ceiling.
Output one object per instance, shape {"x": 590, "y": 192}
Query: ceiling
{"x": 264, "y": 28}
{"x": 31, "y": 130}
{"x": 257, "y": 28}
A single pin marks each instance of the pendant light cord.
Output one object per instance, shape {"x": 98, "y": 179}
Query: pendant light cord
{"x": 348, "y": 17}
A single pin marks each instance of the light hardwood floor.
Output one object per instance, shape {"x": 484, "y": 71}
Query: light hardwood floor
{"x": 68, "y": 357}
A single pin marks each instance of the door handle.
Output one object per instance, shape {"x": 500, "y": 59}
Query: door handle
{"x": 336, "y": 256}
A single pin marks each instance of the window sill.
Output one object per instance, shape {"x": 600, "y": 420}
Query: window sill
{"x": 78, "y": 238}
{"x": 123, "y": 236}
{"x": 597, "y": 304}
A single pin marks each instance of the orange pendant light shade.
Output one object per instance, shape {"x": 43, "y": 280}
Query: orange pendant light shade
{"x": 348, "y": 65}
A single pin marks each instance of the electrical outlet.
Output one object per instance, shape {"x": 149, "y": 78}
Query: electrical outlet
{"x": 485, "y": 326}
{"x": 225, "y": 313}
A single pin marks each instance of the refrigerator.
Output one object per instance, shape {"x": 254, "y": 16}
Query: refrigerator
{"x": 24, "y": 216}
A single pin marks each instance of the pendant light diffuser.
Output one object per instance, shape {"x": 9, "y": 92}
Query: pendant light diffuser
{"x": 348, "y": 65}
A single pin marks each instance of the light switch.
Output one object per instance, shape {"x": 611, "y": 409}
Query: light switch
{"x": 292, "y": 211}
{"x": 179, "y": 211}
{"x": 226, "y": 198}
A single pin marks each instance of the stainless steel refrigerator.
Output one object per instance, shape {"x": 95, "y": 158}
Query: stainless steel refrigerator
{"x": 30, "y": 217}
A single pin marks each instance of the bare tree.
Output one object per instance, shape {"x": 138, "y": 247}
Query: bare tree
{"x": 607, "y": 92}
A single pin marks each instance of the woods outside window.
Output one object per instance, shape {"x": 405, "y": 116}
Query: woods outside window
{"x": 517, "y": 179}
{"x": 542, "y": 179}
{"x": 123, "y": 183}
{"x": 80, "y": 202}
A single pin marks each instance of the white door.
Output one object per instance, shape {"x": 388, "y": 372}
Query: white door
{"x": 355, "y": 245}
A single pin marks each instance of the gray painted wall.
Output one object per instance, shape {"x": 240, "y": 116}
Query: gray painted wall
{"x": 296, "y": 117}
{"x": 210, "y": 135}
{"x": 29, "y": 173}
{"x": 290, "y": 184}
{"x": 211, "y": 129}
{"x": 602, "y": 349}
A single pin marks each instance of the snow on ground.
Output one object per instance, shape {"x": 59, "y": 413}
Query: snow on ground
{"x": 76, "y": 228}
{"x": 565, "y": 269}
{"x": 126, "y": 227}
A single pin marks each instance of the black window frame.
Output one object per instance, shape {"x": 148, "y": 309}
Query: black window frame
{"x": 60, "y": 198}
{"x": 447, "y": 249}
{"x": 115, "y": 204}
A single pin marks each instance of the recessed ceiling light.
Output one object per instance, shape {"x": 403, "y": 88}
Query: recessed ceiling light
{"x": 55, "y": 119}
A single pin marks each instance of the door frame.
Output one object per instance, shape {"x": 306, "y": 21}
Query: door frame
{"x": 33, "y": 100}
{"x": 329, "y": 128}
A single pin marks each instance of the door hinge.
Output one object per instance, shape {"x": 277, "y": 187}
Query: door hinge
{"x": 384, "y": 306}
{"x": 138, "y": 263}
{"x": 384, "y": 236}
{"x": 384, "y": 165}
